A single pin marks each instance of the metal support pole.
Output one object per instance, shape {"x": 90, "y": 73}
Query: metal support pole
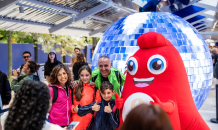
{"x": 215, "y": 120}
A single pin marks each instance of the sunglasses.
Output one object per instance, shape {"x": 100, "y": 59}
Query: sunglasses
{"x": 26, "y": 57}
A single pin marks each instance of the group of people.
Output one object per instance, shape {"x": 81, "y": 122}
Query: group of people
{"x": 92, "y": 97}
{"x": 174, "y": 5}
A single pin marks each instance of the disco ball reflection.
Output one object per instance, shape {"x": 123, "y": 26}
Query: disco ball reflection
{"x": 119, "y": 42}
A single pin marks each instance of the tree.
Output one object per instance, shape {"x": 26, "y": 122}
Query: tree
{"x": 9, "y": 57}
{"x": 9, "y": 37}
{"x": 63, "y": 44}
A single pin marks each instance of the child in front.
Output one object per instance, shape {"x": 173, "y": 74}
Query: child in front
{"x": 84, "y": 94}
{"x": 107, "y": 118}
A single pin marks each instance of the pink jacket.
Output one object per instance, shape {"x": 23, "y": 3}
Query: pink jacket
{"x": 60, "y": 112}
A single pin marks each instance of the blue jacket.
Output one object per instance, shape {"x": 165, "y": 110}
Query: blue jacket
{"x": 102, "y": 120}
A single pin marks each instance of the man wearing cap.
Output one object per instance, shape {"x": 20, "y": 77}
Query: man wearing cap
{"x": 28, "y": 57}
{"x": 50, "y": 64}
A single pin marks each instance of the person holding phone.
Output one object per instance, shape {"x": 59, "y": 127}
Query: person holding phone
{"x": 72, "y": 126}
{"x": 28, "y": 69}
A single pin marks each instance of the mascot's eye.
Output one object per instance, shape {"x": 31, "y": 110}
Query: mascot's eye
{"x": 132, "y": 65}
{"x": 156, "y": 64}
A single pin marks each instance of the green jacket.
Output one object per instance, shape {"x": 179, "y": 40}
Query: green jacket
{"x": 16, "y": 83}
{"x": 96, "y": 77}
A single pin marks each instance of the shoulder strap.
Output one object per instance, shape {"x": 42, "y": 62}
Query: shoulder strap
{"x": 118, "y": 76}
{"x": 21, "y": 67}
{"x": 37, "y": 72}
{"x": 55, "y": 91}
{"x": 95, "y": 94}
{"x": 94, "y": 78}
{"x": 71, "y": 93}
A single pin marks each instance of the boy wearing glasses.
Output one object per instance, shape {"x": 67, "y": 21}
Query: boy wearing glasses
{"x": 28, "y": 57}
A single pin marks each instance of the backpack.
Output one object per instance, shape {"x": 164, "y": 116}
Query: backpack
{"x": 36, "y": 77}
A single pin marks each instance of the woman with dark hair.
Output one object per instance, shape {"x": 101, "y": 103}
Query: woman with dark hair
{"x": 50, "y": 64}
{"x": 30, "y": 107}
{"x": 79, "y": 63}
{"x": 60, "y": 80}
{"x": 29, "y": 69}
{"x": 147, "y": 117}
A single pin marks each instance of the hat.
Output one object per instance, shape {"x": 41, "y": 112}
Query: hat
{"x": 52, "y": 51}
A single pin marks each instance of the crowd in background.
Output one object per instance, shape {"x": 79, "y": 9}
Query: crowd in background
{"x": 90, "y": 97}
{"x": 174, "y": 5}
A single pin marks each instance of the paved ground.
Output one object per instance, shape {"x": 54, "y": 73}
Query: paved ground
{"x": 208, "y": 109}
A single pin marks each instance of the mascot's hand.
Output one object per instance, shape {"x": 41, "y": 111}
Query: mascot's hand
{"x": 166, "y": 106}
{"x": 118, "y": 101}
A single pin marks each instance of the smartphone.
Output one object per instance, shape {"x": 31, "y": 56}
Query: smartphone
{"x": 72, "y": 125}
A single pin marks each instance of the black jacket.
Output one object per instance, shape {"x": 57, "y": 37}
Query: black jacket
{"x": 49, "y": 67}
{"x": 5, "y": 89}
{"x": 102, "y": 120}
{"x": 76, "y": 68}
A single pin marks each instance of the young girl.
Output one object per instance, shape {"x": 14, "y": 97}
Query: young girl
{"x": 50, "y": 64}
{"x": 84, "y": 94}
{"x": 60, "y": 80}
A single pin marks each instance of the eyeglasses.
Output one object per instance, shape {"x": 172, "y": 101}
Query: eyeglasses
{"x": 26, "y": 57}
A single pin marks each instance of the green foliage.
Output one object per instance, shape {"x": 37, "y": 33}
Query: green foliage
{"x": 63, "y": 44}
{"x": 97, "y": 38}
{"x": 16, "y": 37}
{"x": 4, "y": 36}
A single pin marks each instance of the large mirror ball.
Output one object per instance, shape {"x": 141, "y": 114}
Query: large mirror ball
{"x": 119, "y": 42}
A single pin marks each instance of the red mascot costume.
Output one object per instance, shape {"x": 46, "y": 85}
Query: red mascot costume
{"x": 156, "y": 74}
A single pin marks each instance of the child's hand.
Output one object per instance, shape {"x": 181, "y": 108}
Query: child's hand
{"x": 96, "y": 107}
{"x": 75, "y": 84}
{"x": 75, "y": 109}
{"x": 108, "y": 108}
